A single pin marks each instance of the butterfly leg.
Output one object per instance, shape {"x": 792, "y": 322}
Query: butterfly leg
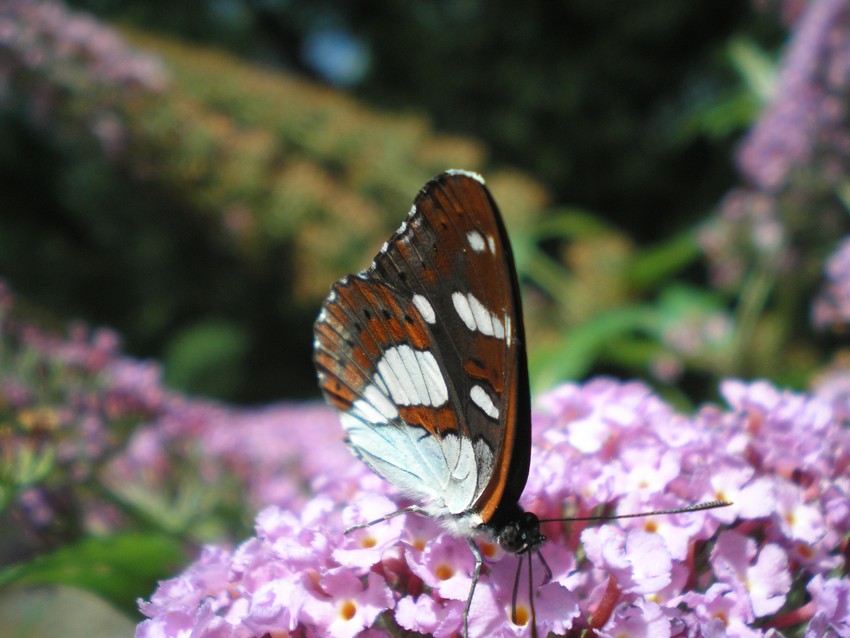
{"x": 479, "y": 560}
{"x": 415, "y": 509}
{"x": 546, "y": 567}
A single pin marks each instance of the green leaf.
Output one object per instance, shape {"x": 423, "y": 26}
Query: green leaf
{"x": 660, "y": 262}
{"x": 547, "y": 273}
{"x": 52, "y": 611}
{"x": 571, "y": 223}
{"x": 573, "y": 357}
{"x": 207, "y": 358}
{"x": 755, "y": 67}
{"x": 31, "y": 466}
{"x": 118, "y": 568}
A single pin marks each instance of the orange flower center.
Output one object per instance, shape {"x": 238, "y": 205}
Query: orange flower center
{"x": 347, "y": 610}
{"x": 488, "y": 550}
{"x": 444, "y": 572}
{"x": 522, "y": 615}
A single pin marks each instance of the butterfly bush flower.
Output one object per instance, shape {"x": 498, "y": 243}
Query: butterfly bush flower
{"x": 81, "y": 419}
{"x": 793, "y": 159}
{"x": 832, "y": 306}
{"x": 806, "y": 119}
{"x": 774, "y": 560}
{"x": 67, "y": 405}
{"x": 53, "y": 59}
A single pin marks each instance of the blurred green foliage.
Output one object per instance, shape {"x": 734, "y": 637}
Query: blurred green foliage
{"x": 116, "y": 568}
{"x": 207, "y": 358}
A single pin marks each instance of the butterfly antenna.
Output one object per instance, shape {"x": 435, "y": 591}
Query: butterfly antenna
{"x": 709, "y": 505}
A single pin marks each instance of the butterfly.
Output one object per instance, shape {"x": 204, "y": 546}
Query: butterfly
{"x": 423, "y": 354}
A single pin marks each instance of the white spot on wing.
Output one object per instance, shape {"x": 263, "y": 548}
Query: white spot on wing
{"x": 476, "y": 241}
{"x": 476, "y": 317}
{"x": 437, "y": 389}
{"x": 483, "y": 319}
{"x": 498, "y": 328}
{"x": 459, "y": 488}
{"x": 425, "y": 308}
{"x": 412, "y": 377}
{"x": 379, "y": 383}
{"x": 480, "y": 398}
{"x": 475, "y": 176}
{"x": 398, "y": 364}
{"x": 483, "y": 463}
{"x": 491, "y": 243}
{"x": 375, "y": 407}
{"x": 466, "y": 462}
{"x": 461, "y": 305}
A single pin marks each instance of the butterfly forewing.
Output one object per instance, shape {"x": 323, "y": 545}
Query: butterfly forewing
{"x": 426, "y": 348}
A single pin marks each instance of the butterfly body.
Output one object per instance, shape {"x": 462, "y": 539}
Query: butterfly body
{"x": 423, "y": 354}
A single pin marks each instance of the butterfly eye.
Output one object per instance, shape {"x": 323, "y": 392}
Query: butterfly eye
{"x": 513, "y": 538}
{"x": 521, "y": 535}
{"x": 509, "y": 539}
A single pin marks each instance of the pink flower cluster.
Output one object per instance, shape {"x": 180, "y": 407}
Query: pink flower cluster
{"x": 52, "y": 58}
{"x": 44, "y": 35}
{"x": 71, "y": 392}
{"x": 68, "y": 405}
{"x": 96, "y": 415}
{"x": 260, "y": 456}
{"x": 775, "y": 559}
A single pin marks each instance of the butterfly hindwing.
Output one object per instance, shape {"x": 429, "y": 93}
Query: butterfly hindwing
{"x": 374, "y": 367}
{"x": 423, "y": 354}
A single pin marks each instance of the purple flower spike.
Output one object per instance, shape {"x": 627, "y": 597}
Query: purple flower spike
{"x": 831, "y": 309}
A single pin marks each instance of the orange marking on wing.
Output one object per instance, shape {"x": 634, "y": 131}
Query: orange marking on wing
{"x": 390, "y": 321}
{"x": 487, "y": 364}
{"x": 437, "y": 421}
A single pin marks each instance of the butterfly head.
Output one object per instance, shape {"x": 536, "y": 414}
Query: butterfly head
{"x": 522, "y": 534}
